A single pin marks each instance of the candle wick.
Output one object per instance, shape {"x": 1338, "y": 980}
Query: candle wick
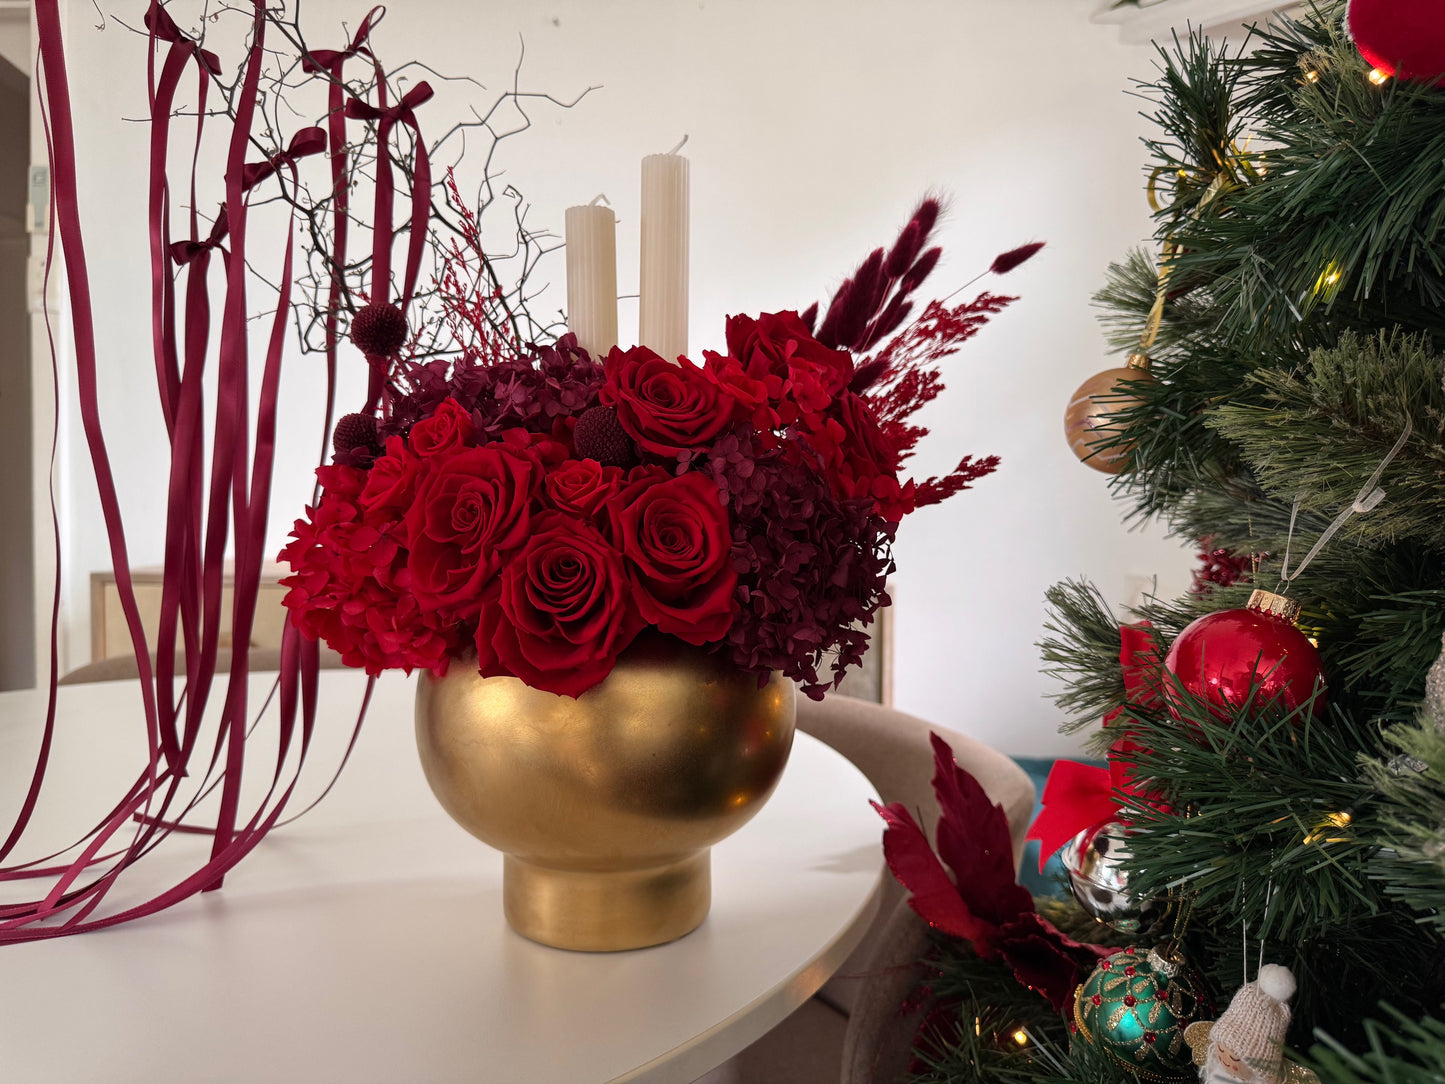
{"x": 682, "y": 143}
{"x": 601, "y": 197}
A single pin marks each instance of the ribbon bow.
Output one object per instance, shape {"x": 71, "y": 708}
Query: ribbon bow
{"x": 306, "y": 142}
{"x": 329, "y": 60}
{"x": 357, "y": 109}
{"x": 1079, "y": 796}
{"x": 183, "y": 252}
{"x": 386, "y": 117}
{"x": 163, "y": 27}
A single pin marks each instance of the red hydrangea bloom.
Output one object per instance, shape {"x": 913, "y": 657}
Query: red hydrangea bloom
{"x": 675, "y": 535}
{"x": 561, "y": 611}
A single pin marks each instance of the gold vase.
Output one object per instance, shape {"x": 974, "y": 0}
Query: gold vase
{"x": 605, "y": 806}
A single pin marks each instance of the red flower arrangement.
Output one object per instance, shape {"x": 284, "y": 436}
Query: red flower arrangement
{"x": 541, "y": 507}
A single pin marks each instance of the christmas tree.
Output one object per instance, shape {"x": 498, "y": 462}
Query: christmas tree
{"x": 1279, "y": 767}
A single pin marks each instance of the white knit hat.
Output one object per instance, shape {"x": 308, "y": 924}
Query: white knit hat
{"x": 1255, "y": 1023}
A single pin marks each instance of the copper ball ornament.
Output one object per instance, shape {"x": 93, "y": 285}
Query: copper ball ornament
{"x": 1087, "y": 421}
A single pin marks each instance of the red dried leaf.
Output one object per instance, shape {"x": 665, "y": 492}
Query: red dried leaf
{"x": 918, "y": 869}
{"x": 974, "y": 839}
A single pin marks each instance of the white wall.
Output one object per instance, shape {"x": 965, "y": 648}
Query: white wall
{"x": 814, "y": 126}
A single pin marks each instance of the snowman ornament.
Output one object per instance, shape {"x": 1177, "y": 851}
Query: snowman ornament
{"x": 1246, "y": 1044}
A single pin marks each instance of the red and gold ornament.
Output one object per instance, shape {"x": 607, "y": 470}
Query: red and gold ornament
{"x": 1088, "y": 422}
{"x": 1227, "y": 658}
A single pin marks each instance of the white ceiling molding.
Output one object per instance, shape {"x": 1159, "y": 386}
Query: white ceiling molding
{"x": 1151, "y": 20}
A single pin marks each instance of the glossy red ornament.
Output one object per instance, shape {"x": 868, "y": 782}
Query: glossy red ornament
{"x": 1224, "y": 657}
{"x": 1405, "y": 38}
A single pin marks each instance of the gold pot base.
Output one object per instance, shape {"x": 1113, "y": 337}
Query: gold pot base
{"x": 607, "y": 910}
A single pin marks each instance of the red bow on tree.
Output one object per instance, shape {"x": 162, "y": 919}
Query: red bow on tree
{"x": 1079, "y": 796}
{"x": 981, "y": 903}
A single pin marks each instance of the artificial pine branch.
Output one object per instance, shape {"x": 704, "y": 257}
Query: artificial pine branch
{"x": 1320, "y": 430}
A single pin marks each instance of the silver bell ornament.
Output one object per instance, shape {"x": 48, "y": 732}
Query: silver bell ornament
{"x": 1093, "y": 860}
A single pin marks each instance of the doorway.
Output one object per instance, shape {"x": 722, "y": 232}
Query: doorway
{"x": 17, "y": 549}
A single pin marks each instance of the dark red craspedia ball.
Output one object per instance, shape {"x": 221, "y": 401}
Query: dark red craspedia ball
{"x": 355, "y": 433}
{"x": 1225, "y": 658}
{"x": 600, "y": 436}
{"x": 1404, "y": 38}
{"x": 379, "y": 329}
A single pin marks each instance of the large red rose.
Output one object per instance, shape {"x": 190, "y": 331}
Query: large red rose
{"x": 582, "y": 486}
{"x": 665, "y": 407}
{"x": 390, "y": 484}
{"x": 867, "y": 462}
{"x": 780, "y": 343}
{"x": 447, "y": 430}
{"x": 675, "y": 536}
{"x": 471, "y": 509}
{"x": 561, "y": 611}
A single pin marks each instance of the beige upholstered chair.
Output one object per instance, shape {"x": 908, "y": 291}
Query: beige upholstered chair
{"x": 121, "y": 667}
{"x": 851, "y": 1032}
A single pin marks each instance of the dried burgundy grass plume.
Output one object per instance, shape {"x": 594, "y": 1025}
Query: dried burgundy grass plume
{"x": 873, "y": 302}
{"x": 1007, "y": 261}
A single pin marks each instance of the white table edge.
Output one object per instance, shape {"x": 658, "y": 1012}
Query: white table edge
{"x": 705, "y": 1051}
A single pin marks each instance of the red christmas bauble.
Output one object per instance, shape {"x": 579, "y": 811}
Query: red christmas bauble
{"x": 1405, "y": 38}
{"x": 1224, "y": 658}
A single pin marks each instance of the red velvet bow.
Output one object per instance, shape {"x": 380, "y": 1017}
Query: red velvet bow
{"x": 307, "y": 141}
{"x": 183, "y": 252}
{"x": 1079, "y": 796}
{"x": 982, "y": 903}
{"x": 163, "y": 27}
{"x": 326, "y": 60}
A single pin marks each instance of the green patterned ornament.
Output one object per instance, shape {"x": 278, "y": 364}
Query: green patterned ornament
{"x": 1135, "y": 1008}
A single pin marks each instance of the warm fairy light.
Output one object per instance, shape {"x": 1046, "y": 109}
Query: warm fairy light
{"x": 1314, "y": 641}
{"x": 1378, "y": 77}
{"x": 978, "y": 1025}
{"x": 1329, "y": 278}
{"x": 1021, "y": 1037}
{"x": 1340, "y": 820}
{"x": 1313, "y": 77}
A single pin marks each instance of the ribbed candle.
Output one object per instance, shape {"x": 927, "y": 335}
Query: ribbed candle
{"x": 662, "y": 318}
{"x": 592, "y": 277}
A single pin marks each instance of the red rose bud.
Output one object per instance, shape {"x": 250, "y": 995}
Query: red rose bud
{"x": 600, "y": 436}
{"x": 379, "y": 329}
{"x": 1007, "y": 261}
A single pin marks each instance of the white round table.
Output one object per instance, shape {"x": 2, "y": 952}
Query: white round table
{"x": 366, "y": 941}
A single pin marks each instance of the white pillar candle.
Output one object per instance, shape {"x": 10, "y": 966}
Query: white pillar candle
{"x": 592, "y": 277}
{"x": 662, "y": 316}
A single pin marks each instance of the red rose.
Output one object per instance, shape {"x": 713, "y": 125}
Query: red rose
{"x": 447, "y": 430}
{"x": 582, "y": 486}
{"x": 390, "y": 484}
{"x": 561, "y": 611}
{"x": 665, "y": 408}
{"x": 675, "y": 536}
{"x": 471, "y": 508}
{"x": 865, "y": 446}
{"x": 548, "y": 451}
{"x": 779, "y": 342}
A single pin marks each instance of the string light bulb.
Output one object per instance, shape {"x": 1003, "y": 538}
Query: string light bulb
{"x": 1378, "y": 77}
{"x": 1312, "y": 76}
{"x": 1021, "y": 1037}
